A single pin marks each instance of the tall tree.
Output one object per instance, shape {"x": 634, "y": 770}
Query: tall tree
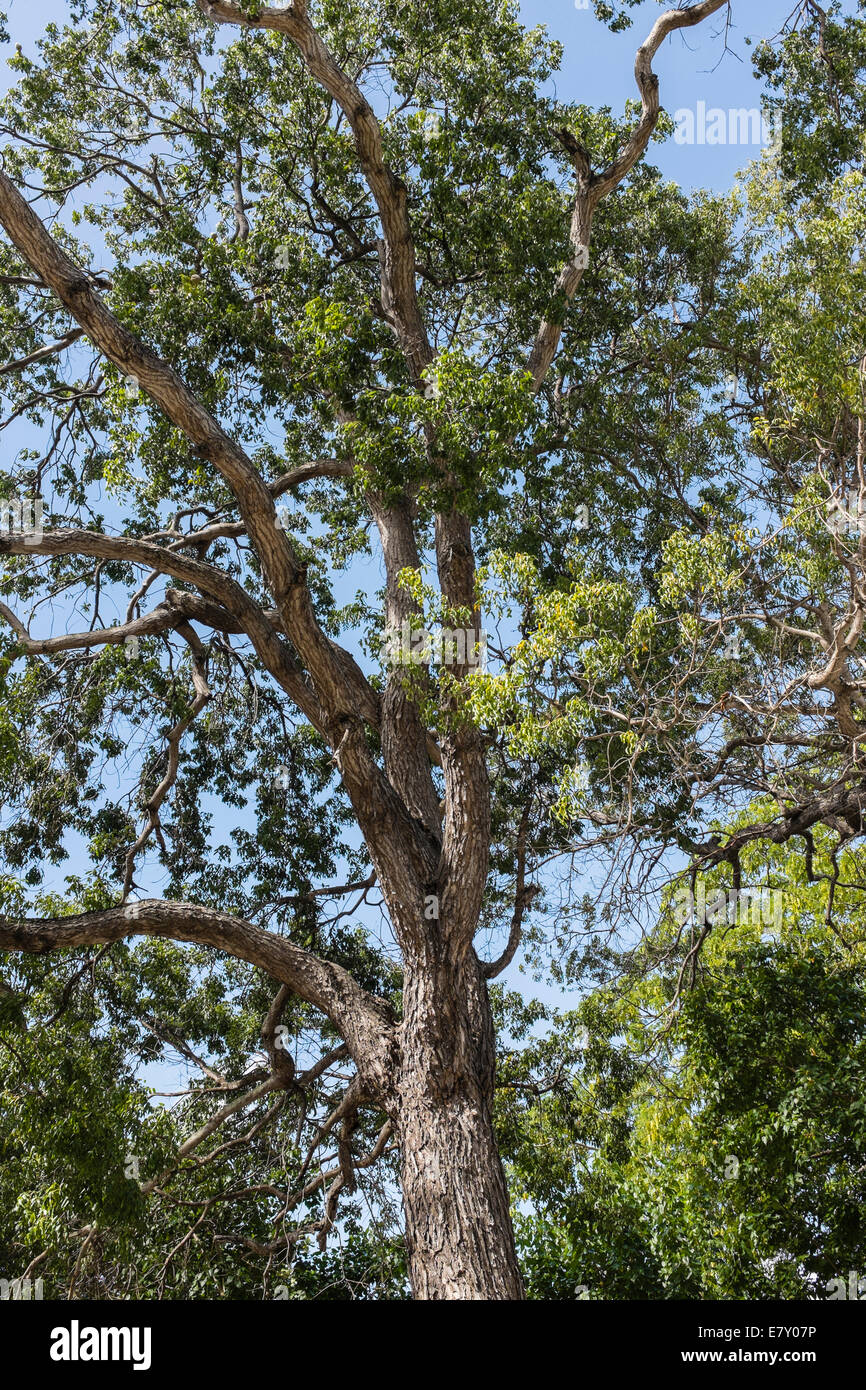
{"x": 470, "y": 315}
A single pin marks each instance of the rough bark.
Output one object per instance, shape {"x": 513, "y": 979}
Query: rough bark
{"x": 459, "y": 1237}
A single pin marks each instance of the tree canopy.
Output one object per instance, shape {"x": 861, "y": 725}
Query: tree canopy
{"x": 331, "y": 326}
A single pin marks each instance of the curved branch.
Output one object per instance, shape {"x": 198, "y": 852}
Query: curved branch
{"x": 523, "y": 895}
{"x": 305, "y": 472}
{"x": 591, "y": 188}
{"x": 170, "y": 614}
{"x": 173, "y": 738}
{"x": 213, "y": 582}
{"x": 363, "y": 1021}
{"x": 39, "y": 355}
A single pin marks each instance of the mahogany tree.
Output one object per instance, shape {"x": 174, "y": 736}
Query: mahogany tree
{"x": 288, "y": 287}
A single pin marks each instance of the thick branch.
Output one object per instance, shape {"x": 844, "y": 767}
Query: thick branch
{"x": 389, "y": 192}
{"x": 339, "y": 681}
{"x": 404, "y": 735}
{"x": 362, "y": 1020}
{"x": 466, "y": 830}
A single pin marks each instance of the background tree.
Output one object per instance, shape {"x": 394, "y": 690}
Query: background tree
{"x": 714, "y": 1151}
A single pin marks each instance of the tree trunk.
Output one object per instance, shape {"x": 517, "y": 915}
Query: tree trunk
{"x": 459, "y": 1236}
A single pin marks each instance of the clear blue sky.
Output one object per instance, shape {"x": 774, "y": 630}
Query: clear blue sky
{"x": 598, "y": 66}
